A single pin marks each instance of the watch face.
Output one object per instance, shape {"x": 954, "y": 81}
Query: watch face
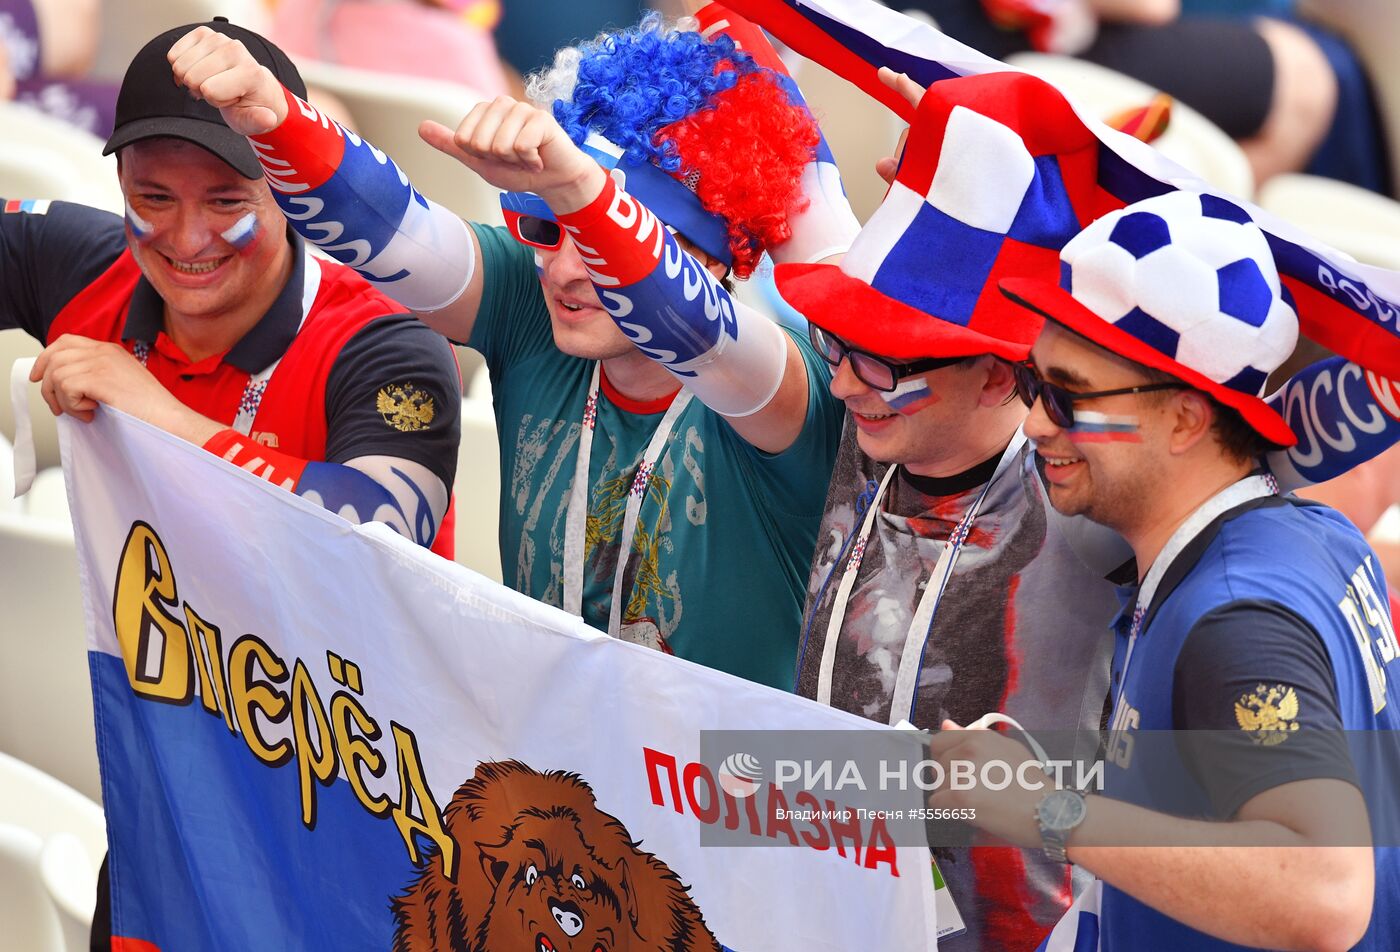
{"x": 1061, "y": 810}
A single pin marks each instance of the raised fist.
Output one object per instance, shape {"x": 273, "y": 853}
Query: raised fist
{"x": 520, "y": 148}
{"x": 221, "y": 71}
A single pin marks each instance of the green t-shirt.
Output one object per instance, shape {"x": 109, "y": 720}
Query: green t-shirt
{"x": 725, "y": 536}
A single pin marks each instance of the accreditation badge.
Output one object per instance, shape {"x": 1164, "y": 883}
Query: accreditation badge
{"x": 950, "y": 921}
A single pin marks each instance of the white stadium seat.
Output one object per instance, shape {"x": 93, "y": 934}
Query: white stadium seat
{"x": 41, "y": 157}
{"x": 1354, "y": 220}
{"x": 127, "y": 26}
{"x": 479, "y": 388}
{"x": 478, "y": 490}
{"x": 69, "y": 875}
{"x": 26, "y": 172}
{"x": 45, "y": 690}
{"x": 473, "y": 367}
{"x": 30, "y": 923}
{"x": 387, "y": 109}
{"x": 52, "y": 840}
{"x": 33, "y": 800}
{"x": 1372, "y": 27}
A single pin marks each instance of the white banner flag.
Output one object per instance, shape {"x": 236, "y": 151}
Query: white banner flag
{"x": 315, "y": 735}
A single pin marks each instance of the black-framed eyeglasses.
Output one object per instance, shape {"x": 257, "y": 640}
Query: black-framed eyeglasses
{"x": 1059, "y": 402}
{"x": 876, "y": 373}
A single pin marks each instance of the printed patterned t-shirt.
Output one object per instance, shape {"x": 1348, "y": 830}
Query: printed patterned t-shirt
{"x": 1020, "y": 629}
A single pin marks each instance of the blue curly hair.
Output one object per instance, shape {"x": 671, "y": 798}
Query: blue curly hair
{"x": 699, "y": 109}
{"x": 637, "y": 81}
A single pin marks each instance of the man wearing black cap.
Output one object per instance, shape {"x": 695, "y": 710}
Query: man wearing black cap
{"x": 206, "y": 316}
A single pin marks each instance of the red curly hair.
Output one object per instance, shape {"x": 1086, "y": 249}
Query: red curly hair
{"x": 748, "y": 148}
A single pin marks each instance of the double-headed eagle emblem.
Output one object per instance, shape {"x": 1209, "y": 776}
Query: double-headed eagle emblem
{"x": 405, "y": 407}
{"x": 1269, "y": 714}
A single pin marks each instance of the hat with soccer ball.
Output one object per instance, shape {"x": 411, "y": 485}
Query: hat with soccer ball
{"x": 1184, "y": 283}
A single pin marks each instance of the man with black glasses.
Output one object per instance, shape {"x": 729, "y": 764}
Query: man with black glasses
{"x": 944, "y": 585}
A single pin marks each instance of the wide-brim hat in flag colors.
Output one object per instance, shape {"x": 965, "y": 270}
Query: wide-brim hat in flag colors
{"x": 1349, "y": 308}
{"x": 1184, "y": 283}
{"x": 997, "y": 175}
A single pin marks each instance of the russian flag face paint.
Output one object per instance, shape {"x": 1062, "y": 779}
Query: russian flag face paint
{"x": 241, "y": 233}
{"x": 141, "y": 229}
{"x": 910, "y": 395}
{"x": 1091, "y": 427}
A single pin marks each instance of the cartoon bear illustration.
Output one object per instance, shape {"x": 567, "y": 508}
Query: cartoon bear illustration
{"x": 542, "y": 869}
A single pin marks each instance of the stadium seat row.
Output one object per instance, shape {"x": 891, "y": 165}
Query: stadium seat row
{"x": 52, "y": 840}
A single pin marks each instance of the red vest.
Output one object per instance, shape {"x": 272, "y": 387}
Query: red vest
{"x": 291, "y": 416}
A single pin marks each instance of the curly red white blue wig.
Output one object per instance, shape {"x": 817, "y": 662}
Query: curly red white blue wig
{"x": 701, "y": 110}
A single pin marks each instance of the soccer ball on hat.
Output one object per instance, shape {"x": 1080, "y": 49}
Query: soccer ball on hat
{"x": 1191, "y": 276}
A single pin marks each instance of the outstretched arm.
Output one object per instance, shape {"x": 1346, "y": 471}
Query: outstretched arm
{"x": 737, "y": 362}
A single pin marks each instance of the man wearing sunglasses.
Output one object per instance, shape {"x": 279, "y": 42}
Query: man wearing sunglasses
{"x": 1257, "y": 619}
{"x": 681, "y": 517}
{"x": 945, "y": 585}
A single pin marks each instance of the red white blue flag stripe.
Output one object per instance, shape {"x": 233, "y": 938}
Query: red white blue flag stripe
{"x": 1091, "y": 427}
{"x": 1350, "y": 308}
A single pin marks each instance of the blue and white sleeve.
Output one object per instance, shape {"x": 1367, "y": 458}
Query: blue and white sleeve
{"x": 353, "y": 202}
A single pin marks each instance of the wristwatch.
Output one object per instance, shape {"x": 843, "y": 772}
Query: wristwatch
{"x": 1057, "y": 814}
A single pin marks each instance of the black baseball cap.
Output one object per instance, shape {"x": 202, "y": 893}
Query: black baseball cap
{"x": 150, "y": 103}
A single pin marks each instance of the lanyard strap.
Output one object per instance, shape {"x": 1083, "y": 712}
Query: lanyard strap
{"x": 576, "y": 518}
{"x": 577, "y": 514}
{"x": 916, "y": 638}
{"x": 256, "y": 386}
{"x": 1236, "y": 494}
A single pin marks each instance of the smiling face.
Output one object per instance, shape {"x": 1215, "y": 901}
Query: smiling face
{"x": 929, "y": 416}
{"x": 211, "y": 242}
{"x": 1111, "y": 466}
{"x": 582, "y": 328}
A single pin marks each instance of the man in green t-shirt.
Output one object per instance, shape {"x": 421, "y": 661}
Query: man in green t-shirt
{"x": 725, "y": 529}
{"x": 665, "y": 451}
